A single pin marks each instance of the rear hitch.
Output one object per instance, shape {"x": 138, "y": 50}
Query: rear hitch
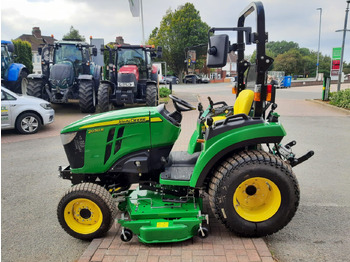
{"x": 286, "y": 152}
{"x": 301, "y": 159}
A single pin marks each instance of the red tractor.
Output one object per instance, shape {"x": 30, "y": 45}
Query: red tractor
{"x": 132, "y": 77}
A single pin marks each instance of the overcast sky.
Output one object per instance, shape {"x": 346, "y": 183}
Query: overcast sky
{"x": 296, "y": 20}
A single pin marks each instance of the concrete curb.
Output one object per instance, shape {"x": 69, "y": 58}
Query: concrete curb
{"x": 346, "y": 111}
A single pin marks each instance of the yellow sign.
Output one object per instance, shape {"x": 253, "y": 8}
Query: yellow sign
{"x": 162, "y": 224}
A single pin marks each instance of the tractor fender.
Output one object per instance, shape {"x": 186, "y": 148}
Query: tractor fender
{"x": 85, "y": 77}
{"x": 97, "y": 75}
{"x": 112, "y": 85}
{"x": 36, "y": 76}
{"x": 222, "y": 145}
{"x": 14, "y": 71}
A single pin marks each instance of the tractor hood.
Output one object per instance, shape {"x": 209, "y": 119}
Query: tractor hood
{"x": 117, "y": 117}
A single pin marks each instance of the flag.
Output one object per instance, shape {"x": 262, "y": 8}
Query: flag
{"x": 135, "y": 7}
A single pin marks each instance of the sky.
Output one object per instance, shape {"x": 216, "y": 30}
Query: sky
{"x": 296, "y": 20}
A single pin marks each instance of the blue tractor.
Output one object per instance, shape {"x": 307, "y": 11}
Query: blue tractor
{"x": 13, "y": 75}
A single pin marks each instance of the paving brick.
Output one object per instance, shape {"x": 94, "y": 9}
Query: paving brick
{"x": 108, "y": 258}
{"x": 267, "y": 259}
{"x": 215, "y": 259}
{"x": 125, "y": 259}
{"x": 186, "y": 254}
{"x": 99, "y": 254}
{"x": 160, "y": 252}
{"x": 153, "y": 259}
{"x": 243, "y": 258}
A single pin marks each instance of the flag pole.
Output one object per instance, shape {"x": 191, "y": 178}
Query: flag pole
{"x": 143, "y": 30}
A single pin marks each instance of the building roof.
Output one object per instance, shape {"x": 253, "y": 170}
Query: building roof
{"x": 36, "y": 39}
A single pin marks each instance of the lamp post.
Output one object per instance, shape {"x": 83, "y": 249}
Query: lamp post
{"x": 343, "y": 44}
{"x": 319, "y": 40}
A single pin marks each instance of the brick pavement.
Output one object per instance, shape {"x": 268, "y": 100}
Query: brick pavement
{"x": 221, "y": 245}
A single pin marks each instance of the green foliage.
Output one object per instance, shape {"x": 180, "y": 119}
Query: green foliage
{"x": 290, "y": 62}
{"x": 294, "y": 60}
{"x": 281, "y": 47}
{"x": 346, "y": 68}
{"x": 341, "y": 98}
{"x": 164, "y": 92}
{"x": 178, "y": 30}
{"x": 23, "y": 53}
{"x": 73, "y": 34}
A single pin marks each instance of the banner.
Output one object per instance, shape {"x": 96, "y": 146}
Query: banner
{"x": 135, "y": 7}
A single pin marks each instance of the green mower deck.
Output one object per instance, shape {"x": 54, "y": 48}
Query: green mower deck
{"x": 158, "y": 218}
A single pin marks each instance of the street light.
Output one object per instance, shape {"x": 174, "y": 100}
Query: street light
{"x": 343, "y": 44}
{"x": 319, "y": 40}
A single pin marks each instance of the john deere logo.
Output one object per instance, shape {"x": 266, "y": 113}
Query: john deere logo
{"x": 119, "y": 122}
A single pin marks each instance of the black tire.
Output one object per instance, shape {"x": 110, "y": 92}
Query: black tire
{"x": 28, "y": 123}
{"x": 254, "y": 193}
{"x": 87, "y": 96}
{"x": 22, "y": 83}
{"x": 35, "y": 88}
{"x": 103, "y": 96}
{"x": 151, "y": 95}
{"x": 86, "y": 211}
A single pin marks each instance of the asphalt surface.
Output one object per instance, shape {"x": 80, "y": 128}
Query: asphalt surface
{"x": 30, "y": 188}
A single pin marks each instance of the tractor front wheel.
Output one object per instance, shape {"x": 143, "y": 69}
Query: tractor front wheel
{"x": 86, "y": 211}
{"x": 104, "y": 94}
{"x": 87, "y": 96}
{"x": 35, "y": 87}
{"x": 254, "y": 193}
{"x": 151, "y": 95}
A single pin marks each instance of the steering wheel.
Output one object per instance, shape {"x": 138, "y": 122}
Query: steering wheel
{"x": 178, "y": 101}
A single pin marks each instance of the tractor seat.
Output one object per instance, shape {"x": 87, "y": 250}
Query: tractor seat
{"x": 243, "y": 102}
{"x": 242, "y": 105}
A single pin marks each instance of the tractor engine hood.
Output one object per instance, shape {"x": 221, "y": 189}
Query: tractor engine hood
{"x": 117, "y": 117}
{"x": 62, "y": 75}
{"x": 95, "y": 143}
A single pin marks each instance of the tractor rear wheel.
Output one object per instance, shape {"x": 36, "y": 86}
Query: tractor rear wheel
{"x": 104, "y": 93}
{"x": 151, "y": 95}
{"x": 254, "y": 193}
{"x": 35, "y": 87}
{"x": 86, "y": 211}
{"x": 87, "y": 96}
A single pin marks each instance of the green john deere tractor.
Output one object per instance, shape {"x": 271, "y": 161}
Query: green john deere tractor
{"x": 235, "y": 156}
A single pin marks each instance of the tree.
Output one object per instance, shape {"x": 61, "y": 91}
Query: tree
{"x": 290, "y": 62}
{"x": 179, "y": 30}
{"x": 73, "y": 34}
{"x": 23, "y": 53}
{"x": 280, "y": 47}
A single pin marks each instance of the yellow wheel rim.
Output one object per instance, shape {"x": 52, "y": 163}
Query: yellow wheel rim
{"x": 257, "y": 199}
{"x": 83, "y": 216}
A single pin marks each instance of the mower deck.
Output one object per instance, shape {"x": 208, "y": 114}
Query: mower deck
{"x": 157, "y": 217}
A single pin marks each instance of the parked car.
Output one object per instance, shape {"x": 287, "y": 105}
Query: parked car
{"x": 169, "y": 79}
{"x": 189, "y": 79}
{"x": 172, "y": 79}
{"x": 205, "y": 79}
{"x": 27, "y": 114}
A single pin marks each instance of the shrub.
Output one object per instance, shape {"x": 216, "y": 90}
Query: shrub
{"x": 341, "y": 98}
{"x": 164, "y": 92}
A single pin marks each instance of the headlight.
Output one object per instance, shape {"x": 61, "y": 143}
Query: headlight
{"x": 46, "y": 106}
{"x": 67, "y": 137}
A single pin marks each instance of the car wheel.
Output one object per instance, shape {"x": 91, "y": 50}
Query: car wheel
{"x": 28, "y": 123}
